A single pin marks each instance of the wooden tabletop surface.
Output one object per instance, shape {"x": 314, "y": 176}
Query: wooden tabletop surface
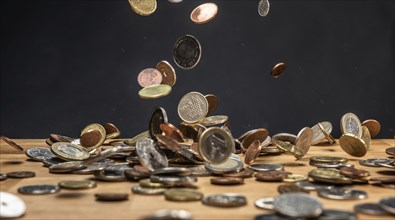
{"x": 81, "y": 204}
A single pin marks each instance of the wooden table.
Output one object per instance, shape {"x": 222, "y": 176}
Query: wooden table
{"x": 81, "y": 204}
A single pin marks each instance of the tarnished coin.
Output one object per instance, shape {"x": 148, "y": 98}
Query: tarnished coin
{"x": 329, "y": 175}
{"x": 252, "y": 152}
{"x": 192, "y": 107}
{"x": 373, "y": 126}
{"x": 390, "y": 151}
{"x": 266, "y": 167}
{"x": 66, "y": 167}
{"x": 111, "y": 131}
{"x": 111, "y": 196}
{"x": 149, "y": 77}
{"x": 175, "y": 214}
{"x": 172, "y": 179}
{"x": 286, "y": 137}
{"x": 375, "y": 162}
{"x": 225, "y": 200}
{"x": 292, "y": 178}
{"x": 271, "y": 176}
{"x": 167, "y": 71}
{"x": 352, "y": 145}
{"x": 342, "y": 194}
{"x": 183, "y": 195}
{"x": 91, "y": 168}
{"x": 333, "y": 214}
{"x": 309, "y": 186}
{"x": 388, "y": 204}
{"x": 212, "y": 101}
{"x": 149, "y": 156}
{"x": 318, "y": 134}
{"x": 39, "y": 153}
{"x": 303, "y": 139}
{"x": 92, "y": 136}
{"x": 227, "y": 180}
{"x": 366, "y": 137}
{"x": 263, "y": 7}
{"x": 279, "y": 68}
{"x": 290, "y": 188}
{"x": 148, "y": 191}
{"x": 147, "y": 183}
{"x": 257, "y": 134}
{"x": 327, "y": 135}
{"x": 11, "y": 143}
{"x": 350, "y": 124}
{"x": 204, "y": 13}
{"x": 215, "y": 145}
{"x": 187, "y": 52}
{"x": 370, "y": 209}
{"x": 214, "y": 120}
{"x": 297, "y": 205}
{"x": 143, "y": 7}
{"x": 353, "y": 172}
{"x": 68, "y": 151}
{"x": 154, "y": 92}
{"x": 38, "y": 189}
{"x": 136, "y": 175}
{"x": 77, "y": 184}
{"x": 172, "y": 131}
{"x": 245, "y": 173}
{"x": 275, "y": 216}
{"x": 3, "y": 176}
{"x": 21, "y": 174}
{"x": 11, "y": 206}
{"x": 265, "y": 203}
{"x": 51, "y": 161}
{"x": 231, "y": 165}
{"x": 158, "y": 117}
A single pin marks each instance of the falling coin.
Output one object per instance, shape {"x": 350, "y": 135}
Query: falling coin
{"x": 187, "y": 52}
{"x": 167, "y": 71}
{"x": 352, "y": 145}
{"x": 11, "y": 143}
{"x": 204, "y": 13}
{"x": 144, "y": 8}
{"x": 263, "y": 7}
{"x": 212, "y": 103}
{"x": 149, "y": 77}
{"x": 278, "y": 69}
{"x": 154, "y": 92}
{"x": 373, "y": 126}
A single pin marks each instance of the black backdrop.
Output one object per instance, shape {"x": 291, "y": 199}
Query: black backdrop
{"x": 68, "y": 63}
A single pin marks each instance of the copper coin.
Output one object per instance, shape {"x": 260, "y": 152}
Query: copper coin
{"x": 212, "y": 103}
{"x": 111, "y": 196}
{"x": 90, "y": 138}
{"x": 11, "y": 143}
{"x": 245, "y": 173}
{"x": 204, "y": 13}
{"x": 56, "y": 138}
{"x": 149, "y": 77}
{"x": 373, "y": 126}
{"x": 386, "y": 180}
{"x": 49, "y": 142}
{"x": 172, "y": 131}
{"x": 271, "y": 176}
{"x": 256, "y": 134}
{"x": 227, "y": 180}
{"x": 353, "y": 172}
{"x": 390, "y": 151}
{"x": 21, "y": 174}
{"x": 278, "y": 69}
{"x": 290, "y": 188}
{"x": 252, "y": 152}
{"x": 111, "y": 131}
{"x": 169, "y": 143}
{"x": 167, "y": 71}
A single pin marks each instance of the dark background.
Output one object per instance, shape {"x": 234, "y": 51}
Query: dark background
{"x": 67, "y": 63}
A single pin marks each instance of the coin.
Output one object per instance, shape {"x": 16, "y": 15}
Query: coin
{"x": 266, "y": 167}
{"x": 147, "y": 183}
{"x": 275, "y": 216}
{"x": 187, "y": 52}
{"x": 11, "y": 206}
{"x": 290, "y": 188}
{"x": 318, "y": 133}
{"x": 167, "y": 71}
{"x": 370, "y": 209}
{"x": 297, "y": 205}
{"x": 257, "y": 134}
{"x": 144, "y": 8}
{"x": 158, "y": 117}
{"x": 136, "y": 175}
{"x": 342, "y": 194}
{"x": 390, "y": 151}
{"x": 214, "y": 120}
{"x": 333, "y": 214}
{"x": 149, "y": 156}
{"x": 286, "y": 137}
{"x": 352, "y": 145}
{"x": 227, "y": 180}
{"x": 111, "y": 196}
{"x": 77, "y": 184}
{"x": 353, "y": 172}
{"x": 38, "y": 189}
{"x": 149, "y": 77}
{"x": 366, "y": 137}
{"x": 204, "y": 13}
{"x": 271, "y": 176}
{"x": 388, "y": 204}
{"x": 279, "y": 68}
{"x": 172, "y": 131}
{"x": 291, "y": 178}
{"x": 327, "y": 135}
{"x": 329, "y": 175}
{"x": 66, "y": 167}
{"x": 388, "y": 165}
{"x": 132, "y": 141}
{"x": 309, "y": 186}
{"x": 215, "y": 145}
{"x": 154, "y": 92}
{"x": 181, "y": 171}
{"x": 90, "y": 139}
{"x": 390, "y": 180}
{"x": 245, "y": 173}
{"x": 39, "y": 153}
{"x": 148, "y": 191}
{"x": 3, "y": 176}
{"x": 373, "y": 126}
{"x": 225, "y": 200}
{"x": 375, "y": 162}
{"x": 91, "y": 168}
{"x": 68, "y": 151}
{"x": 51, "y": 161}
{"x": 21, "y": 174}
{"x": 265, "y": 203}
{"x": 192, "y": 107}
{"x": 111, "y": 131}
{"x": 173, "y": 179}
{"x": 229, "y": 166}
{"x": 252, "y": 152}
{"x": 212, "y": 103}
{"x": 327, "y": 160}
{"x": 11, "y": 143}
{"x": 303, "y": 139}
{"x": 183, "y": 195}
{"x": 263, "y": 7}
{"x": 172, "y": 213}
{"x": 289, "y": 148}
{"x": 350, "y": 124}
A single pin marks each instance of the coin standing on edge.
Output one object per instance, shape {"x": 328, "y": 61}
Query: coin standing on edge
{"x": 263, "y": 8}
{"x": 215, "y": 145}
{"x": 352, "y": 145}
{"x": 11, "y": 206}
{"x": 204, "y": 13}
{"x": 373, "y": 126}
{"x": 350, "y": 124}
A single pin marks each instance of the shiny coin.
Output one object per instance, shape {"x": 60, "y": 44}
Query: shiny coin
{"x": 199, "y": 171}
{"x": 39, "y": 153}
{"x": 259, "y": 134}
{"x": 147, "y": 183}
{"x": 38, "y": 189}
{"x": 173, "y": 180}
{"x": 290, "y": 188}
{"x": 271, "y": 176}
{"x": 350, "y": 124}
{"x": 187, "y": 52}
{"x": 329, "y": 175}
{"x": 111, "y": 131}
{"x": 370, "y": 209}
{"x": 266, "y": 167}
{"x": 303, "y": 139}
{"x": 342, "y": 194}
{"x": 214, "y": 120}
{"x": 292, "y": 178}
{"x": 271, "y": 150}
{"x": 366, "y": 137}
{"x": 390, "y": 151}
{"x": 215, "y": 145}
{"x": 158, "y": 117}
{"x": 149, "y": 156}
{"x": 352, "y": 145}
{"x": 180, "y": 171}
{"x": 148, "y": 191}
{"x": 169, "y": 143}
{"x": 132, "y": 141}
{"x": 318, "y": 134}
{"x": 204, "y": 13}
{"x": 245, "y": 173}
{"x": 263, "y": 7}
{"x": 333, "y": 214}
{"x": 68, "y": 151}
{"x": 11, "y": 143}
{"x": 183, "y": 195}
{"x": 154, "y": 92}
{"x": 66, "y": 167}
{"x": 297, "y": 205}
{"x": 229, "y": 166}
{"x": 149, "y": 77}
{"x": 373, "y": 126}
{"x": 388, "y": 165}
{"x": 279, "y": 68}
{"x": 21, "y": 174}
{"x": 136, "y": 175}
{"x": 192, "y": 107}
{"x": 388, "y": 204}
{"x": 173, "y": 214}
{"x": 327, "y": 135}
{"x": 265, "y": 203}
{"x": 289, "y": 149}
{"x": 227, "y": 180}
{"x": 212, "y": 103}
{"x": 11, "y": 206}
{"x": 225, "y": 200}
{"x": 309, "y": 186}
{"x": 353, "y": 172}
{"x": 144, "y": 8}
{"x": 168, "y": 72}
{"x": 375, "y": 162}
{"x": 337, "y": 166}
{"x": 286, "y": 137}
{"x": 111, "y": 196}
{"x": 51, "y": 161}
{"x": 3, "y": 176}
{"x": 92, "y": 136}
{"x": 91, "y": 168}
{"x": 172, "y": 131}
{"x": 252, "y": 152}
{"x": 77, "y": 184}
{"x": 327, "y": 160}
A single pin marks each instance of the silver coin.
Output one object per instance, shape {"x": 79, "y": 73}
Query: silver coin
{"x": 231, "y": 165}
{"x": 318, "y": 135}
{"x": 275, "y": 216}
{"x": 266, "y": 142}
{"x": 333, "y": 214}
{"x": 387, "y": 165}
{"x": 3, "y": 176}
{"x": 91, "y": 168}
{"x": 39, "y": 153}
{"x": 199, "y": 171}
{"x": 75, "y": 141}
{"x": 388, "y": 204}
{"x": 148, "y": 191}
{"x": 113, "y": 173}
{"x": 326, "y": 165}
{"x": 225, "y": 200}
{"x": 38, "y": 189}
{"x": 370, "y": 209}
{"x": 175, "y": 1}
{"x": 175, "y": 214}
{"x": 266, "y": 167}
{"x": 105, "y": 154}
{"x": 265, "y": 203}
{"x": 215, "y": 145}
{"x": 192, "y": 107}
{"x": 309, "y": 186}
{"x": 350, "y": 124}
{"x": 11, "y": 206}
{"x": 181, "y": 171}
{"x": 149, "y": 156}
{"x": 297, "y": 205}
{"x": 284, "y": 137}
{"x": 375, "y": 162}
{"x": 172, "y": 180}
{"x": 66, "y": 167}
{"x": 263, "y": 7}
{"x": 342, "y": 194}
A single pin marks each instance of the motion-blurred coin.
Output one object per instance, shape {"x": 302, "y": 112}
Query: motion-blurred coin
{"x": 21, "y": 174}
{"x": 231, "y": 165}
{"x": 11, "y": 143}
{"x": 266, "y": 167}
{"x": 327, "y": 160}
{"x": 145, "y": 134}
{"x": 136, "y": 175}
{"x": 352, "y": 145}
{"x": 68, "y": 151}
{"x": 148, "y": 191}
{"x": 169, "y": 143}
{"x": 318, "y": 134}
{"x": 225, "y": 200}
{"x": 172, "y": 131}
{"x": 38, "y": 189}
{"x": 90, "y": 139}
{"x": 111, "y": 196}
{"x": 388, "y": 204}
{"x": 373, "y": 126}
{"x": 366, "y": 137}
{"x": 329, "y": 175}
{"x": 66, "y": 167}
{"x": 350, "y": 124}
{"x": 227, "y": 180}
{"x": 149, "y": 77}
{"x": 271, "y": 176}
{"x": 263, "y": 7}
{"x": 91, "y": 168}
{"x": 212, "y": 103}
{"x": 149, "y": 156}
{"x": 297, "y": 205}
{"x": 370, "y": 209}
{"x": 390, "y": 151}
{"x": 265, "y": 203}
{"x": 11, "y": 206}
{"x": 39, "y": 153}
{"x": 256, "y": 134}
{"x": 180, "y": 171}
{"x": 290, "y": 188}
{"x": 214, "y": 120}
{"x": 342, "y": 194}
{"x": 388, "y": 165}
{"x": 111, "y": 130}
{"x": 154, "y": 92}
{"x": 175, "y": 1}
{"x": 192, "y": 107}
{"x": 204, "y": 13}
{"x": 353, "y": 172}
{"x": 167, "y": 71}
{"x": 144, "y": 8}
{"x": 77, "y": 184}
{"x": 3, "y": 176}
{"x": 375, "y": 162}
{"x": 327, "y": 135}
{"x": 175, "y": 214}
{"x": 245, "y": 173}
{"x": 303, "y": 139}
{"x": 289, "y": 149}
{"x": 215, "y": 145}
{"x": 187, "y": 52}
{"x": 279, "y": 68}
{"x": 292, "y": 178}
{"x": 333, "y": 214}
{"x": 183, "y": 195}
{"x": 252, "y": 152}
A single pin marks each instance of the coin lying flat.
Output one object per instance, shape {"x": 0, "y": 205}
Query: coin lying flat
{"x": 265, "y": 203}
{"x": 225, "y": 200}
{"x": 227, "y": 180}
{"x": 172, "y": 213}
{"x": 144, "y": 8}
{"x": 66, "y": 167}
{"x": 3, "y": 176}
{"x": 292, "y": 178}
{"x": 148, "y": 191}
{"x": 297, "y": 205}
{"x": 342, "y": 194}
{"x": 271, "y": 176}
{"x": 147, "y": 183}
{"x": 388, "y": 204}
{"x": 263, "y": 7}
{"x": 77, "y": 184}
{"x": 214, "y": 120}
{"x": 149, "y": 77}
{"x": 333, "y": 214}
{"x": 21, "y": 174}
{"x": 390, "y": 151}
{"x": 187, "y": 52}
{"x": 68, "y": 151}
{"x": 352, "y": 145}
{"x": 279, "y": 68}
{"x": 11, "y": 206}
{"x": 192, "y": 107}
{"x": 204, "y": 13}
{"x": 290, "y": 188}
{"x": 309, "y": 186}
{"x": 327, "y": 160}
{"x": 180, "y": 171}
{"x": 183, "y": 195}
{"x": 215, "y": 145}
{"x": 111, "y": 196}
{"x": 38, "y": 189}
{"x": 229, "y": 166}
{"x": 373, "y": 126}
{"x": 167, "y": 71}
{"x": 149, "y": 156}
{"x": 350, "y": 124}
{"x": 39, "y": 153}
{"x": 212, "y": 103}
{"x": 329, "y": 175}
{"x": 266, "y": 167}
{"x": 154, "y": 92}
{"x": 375, "y": 162}
{"x": 370, "y": 209}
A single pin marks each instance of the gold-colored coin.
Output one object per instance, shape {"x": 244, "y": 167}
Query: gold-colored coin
{"x": 154, "y": 92}
{"x": 111, "y": 131}
{"x": 214, "y": 120}
{"x": 373, "y": 126}
{"x": 212, "y": 103}
{"x": 133, "y": 140}
{"x": 366, "y": 137}
{"x": 328, "y": 160}
{"x": 291, "y": 178}
{"x": 289, "y": 148}
{"x": 353, "y": 145}
{"x": 183, "y": 195}
{"x": 329, "y": 175}
{"x": 329, "y": 137}
{"x": 143, "y": 7}
{"x": 99, "y": 133}
{"x": 350, "y": 124}
{"x": 77, "y": 184}
{"x": 147, "y": 183}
